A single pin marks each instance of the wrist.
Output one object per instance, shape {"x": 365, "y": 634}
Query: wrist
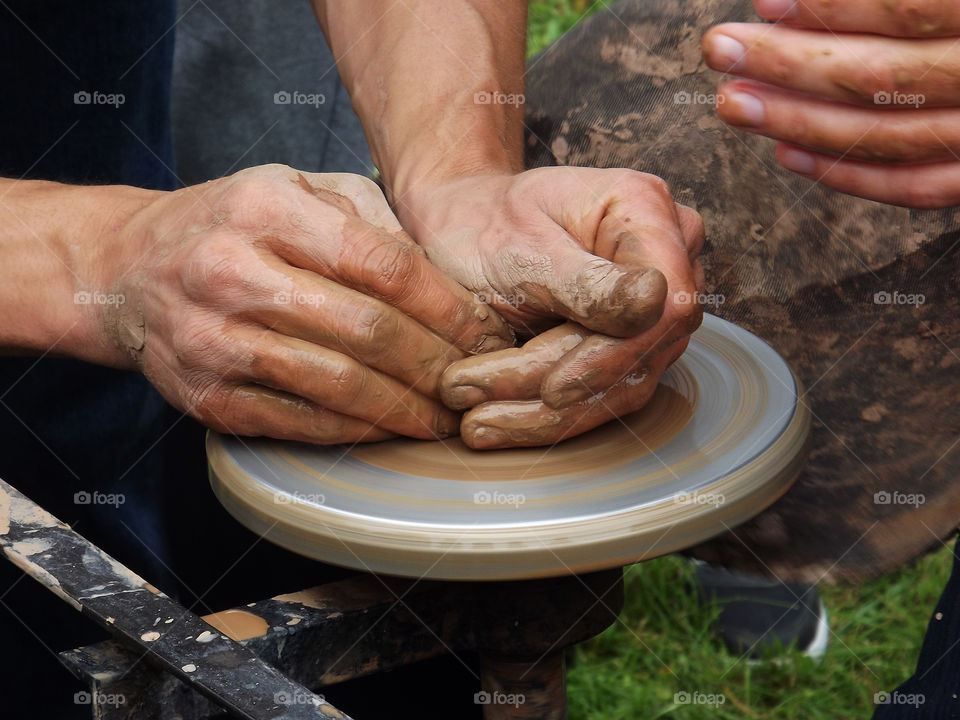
{"x": 67, "y": 261}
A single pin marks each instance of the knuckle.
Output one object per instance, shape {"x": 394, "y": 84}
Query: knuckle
{"x": 212, "y": 265}
{"x": 257, "y": 203}
{"x": 341, "y": 378}
{"x": 371, "y": 330}
{"x": 389, "y": 265}
{"x": 869, "y": 79}
{"x": 196, "y": 341}
{"x": 923, "y": 17}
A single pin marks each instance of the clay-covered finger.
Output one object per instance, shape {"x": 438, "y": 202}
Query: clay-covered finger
{"x": 342, "y": 384}
{"x": 932, "y": 185}
{"x": 513, "y": 374}
{"x": 604, "y": 296}
{"x": 530, "y": 423}
{"x": 325, "y": 313}
{"x": 600, "y": 362}
{"x": 913, "y": 18}
{"x": 254, "y": 410}
{"x": 905, "y": 134}
{"x": 868, "y": 70}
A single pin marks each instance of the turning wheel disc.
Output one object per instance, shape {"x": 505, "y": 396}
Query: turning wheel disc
{"x": 723, "y": 437}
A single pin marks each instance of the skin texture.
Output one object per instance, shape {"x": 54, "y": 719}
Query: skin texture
{"x": 873, "y": 112}
{"x": 606, "y": 249}
{"x": 269, "y": 302}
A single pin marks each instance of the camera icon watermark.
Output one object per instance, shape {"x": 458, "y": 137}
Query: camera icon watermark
{"x": 98, "y": 698}
{"x": 299, "y": 497}
{"x": 699, "y": 298}
{"x": 697, "y": 98}
{"x": 95, "y": 97}
{"x": 499, "y": 698}
{"x": 885, "y": 297}
{"x": 899, "y": 698}
{"x": 885, "y": 497}
{"x": 898, "y": 98}
{"x": 696, "y": 697}
{"x": 87, "y": 297}
{"x": 495, "y": 299}
{"x": 299, "y": 298}
{"x": 287, "y": 699}
{"x": 485, "y": 97}
{"x": 695, "y": 498}
{"x": 84, "y": 497}
{"x": 484, "y": 497}
{"x": 295, "y": 97}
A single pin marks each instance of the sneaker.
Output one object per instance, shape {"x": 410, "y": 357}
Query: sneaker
{"x": 758, "y": 613}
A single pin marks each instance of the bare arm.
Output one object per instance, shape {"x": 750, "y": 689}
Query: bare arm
{"x": 438, "y": 86}
{"x": 57, "y": 245}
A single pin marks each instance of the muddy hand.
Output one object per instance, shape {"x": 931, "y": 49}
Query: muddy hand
{"x": 507, "y": 384}
{"x": 863, "y": 93}
{"x": 606, "y": 249}
{"x": 289, "y": 304}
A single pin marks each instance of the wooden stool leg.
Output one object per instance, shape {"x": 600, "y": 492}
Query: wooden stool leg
{"x": 524, "y": 690}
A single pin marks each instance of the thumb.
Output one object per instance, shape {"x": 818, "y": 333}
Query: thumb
{"x": 604, "y": 296}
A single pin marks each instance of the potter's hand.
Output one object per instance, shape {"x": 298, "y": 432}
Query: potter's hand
{"x": 516, "y": 416}
{"x": 607, "y": 249}
{"x": 863, "y": 92}
{"x": 292, "y": 305}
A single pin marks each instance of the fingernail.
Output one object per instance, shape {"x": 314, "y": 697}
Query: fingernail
{"x": 743, "y": 109}
{"x": 485, "y": 436}
{"x": 462, "y": 397}
{"x": 726, "y": 54}
{"x": 776, "y": 9}
{"x": 798, "y": 161}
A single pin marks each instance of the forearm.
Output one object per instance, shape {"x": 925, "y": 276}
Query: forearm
{"x": 58, "y": 258}
{"x": 418, "y": 73}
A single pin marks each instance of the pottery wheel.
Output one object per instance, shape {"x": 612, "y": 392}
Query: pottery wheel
{"x": 721, "y": 439}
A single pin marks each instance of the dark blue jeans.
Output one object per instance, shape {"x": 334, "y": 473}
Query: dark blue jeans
{"x": 932, "y": 691}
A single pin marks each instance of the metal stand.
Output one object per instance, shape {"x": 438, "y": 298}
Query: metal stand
{"x": 258, "y": 661}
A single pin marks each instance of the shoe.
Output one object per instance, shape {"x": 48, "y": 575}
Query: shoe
{"x": 757, "y": 613}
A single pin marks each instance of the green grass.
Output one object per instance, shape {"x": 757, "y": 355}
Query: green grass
{"x": 663, "y": 644}
{"x": 549, "y": 19}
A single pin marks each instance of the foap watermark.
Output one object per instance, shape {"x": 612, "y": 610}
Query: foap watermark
{"x": 287, "y": 699}
{"x": 898, "y": 98}
{"x": 496, "y": 497}
{"x": 885, "y": 297}
{"x": 499, "y": 698}
{"x": 96, "y": 497}
{"x": 495, "y": 299}
{"x": 885, "y": 497}
{"x": 485, "y": 97}
{"x": 295, "y": 97}
{"x": 697, "y": 98}
{"x": 715, "y": 499}
{"x": 698, "y": 698}
{"x": 299, "y": 497}
{"x": 712, "y": 299}
{"x": 299, "y": 298}
{"x": 95, "y": 97}
{"x": 99, "y": 698}
{"x": 899, "y": 698}
{"x": 95, "y": 297}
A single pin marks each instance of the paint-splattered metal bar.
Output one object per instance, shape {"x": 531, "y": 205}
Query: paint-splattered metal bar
{"x": 146, "y": 620}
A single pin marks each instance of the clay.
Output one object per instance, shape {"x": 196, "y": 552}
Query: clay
{"x": 237, "y": 624}
{"x": 513, "y": 374}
